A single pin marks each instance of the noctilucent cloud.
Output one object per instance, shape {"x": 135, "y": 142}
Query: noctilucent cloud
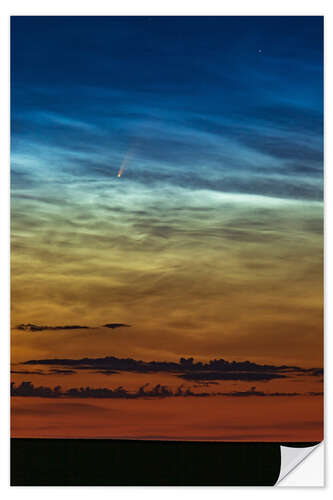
{"x": 231, "y": 105}
{"x": 167, "y": 173}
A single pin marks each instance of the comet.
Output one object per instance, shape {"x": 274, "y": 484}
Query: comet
{"x": 124, "y": 163}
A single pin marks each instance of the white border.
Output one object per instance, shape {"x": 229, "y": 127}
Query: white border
{"x": 137, "y": 7}
{"x": 170, "y": 7}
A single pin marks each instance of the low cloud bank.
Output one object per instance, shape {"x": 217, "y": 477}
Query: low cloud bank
{"x": 186, "y": 368}
{"x": 27, "y": 389}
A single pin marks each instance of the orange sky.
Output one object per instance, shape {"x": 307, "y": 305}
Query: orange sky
{"x": 200, "y": 292}
{"x": 264, "y": 419}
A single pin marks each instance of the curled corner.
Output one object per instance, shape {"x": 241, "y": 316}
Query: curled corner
{"x": 293, "y": 454}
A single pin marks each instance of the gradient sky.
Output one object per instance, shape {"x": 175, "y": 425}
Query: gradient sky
{"x": 210, "y": 242}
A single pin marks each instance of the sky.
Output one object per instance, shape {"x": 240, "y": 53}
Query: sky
{"x": 167, "y": 174}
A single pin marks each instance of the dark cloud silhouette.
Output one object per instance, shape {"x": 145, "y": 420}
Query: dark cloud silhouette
{"x": 186, "y": 368}
{"x": 39, "y": 328}
{"x": 204, "y": 384}
{"x": 249, "y": 376}
{"x": 106, "y": 372}
{"x": 115, "y": 325}
{"x": 184, "y": 365}
{"x": 30, "y": 327}
{"x": 27, "y": 389}
{"x": 27, "y": 372}
{"x": 55, "y": 371}
{"x": 317, "y": 372}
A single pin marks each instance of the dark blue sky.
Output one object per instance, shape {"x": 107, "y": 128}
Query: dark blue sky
{"x": 232, "y": 104}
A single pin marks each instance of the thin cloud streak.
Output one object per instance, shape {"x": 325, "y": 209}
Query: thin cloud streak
{"x": 39, "y": 328}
